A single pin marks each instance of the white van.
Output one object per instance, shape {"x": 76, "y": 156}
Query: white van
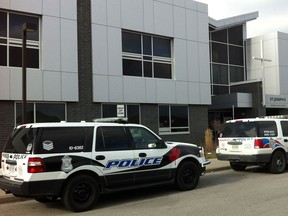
{"x": 255, "y": 141}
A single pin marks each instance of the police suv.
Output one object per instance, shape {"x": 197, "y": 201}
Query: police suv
{"x": 255, "y": 141}
{"x": 79, "y": 161}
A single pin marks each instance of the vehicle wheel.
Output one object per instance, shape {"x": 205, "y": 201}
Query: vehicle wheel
{"x": 81, "y": 193}
{"x": 187, "y": 176}
{"x": 237, "y": 166}
{"x": 278, "y": 162}
{"x": 46, "y": 199}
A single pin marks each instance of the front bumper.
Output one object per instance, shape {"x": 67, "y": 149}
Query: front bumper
{"x": 261, "y": 158}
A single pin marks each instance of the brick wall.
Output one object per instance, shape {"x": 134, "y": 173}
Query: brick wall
{"x": 85, "y": 109}
{"x": 7, "y": 121}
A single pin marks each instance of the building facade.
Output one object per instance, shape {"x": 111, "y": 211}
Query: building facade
{"x": 88, "y": 58}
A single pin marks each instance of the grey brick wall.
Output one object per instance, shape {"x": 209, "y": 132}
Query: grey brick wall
{"x": 85, "y": 109}
{"x": 7, "y": 121}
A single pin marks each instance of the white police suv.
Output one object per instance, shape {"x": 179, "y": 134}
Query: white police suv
{"x": 79, "y": 161}
{"x": 255, "y": 141}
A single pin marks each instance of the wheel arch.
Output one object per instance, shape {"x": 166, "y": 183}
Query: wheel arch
{"x": 83, "y": 172}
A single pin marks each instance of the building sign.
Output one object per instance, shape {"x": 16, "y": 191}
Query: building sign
{"x": 277, "y": 101}
{"x": 120, "y": 111}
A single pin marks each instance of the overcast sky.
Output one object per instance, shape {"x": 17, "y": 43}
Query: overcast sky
{"x": 273, "y": 14}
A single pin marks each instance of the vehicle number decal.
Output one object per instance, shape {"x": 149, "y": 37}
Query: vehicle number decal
{"x": 76, "y": 148}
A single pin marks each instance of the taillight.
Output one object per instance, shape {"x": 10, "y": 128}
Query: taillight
{"x": 261, "y": 143}
{"x": 35, "y": 165}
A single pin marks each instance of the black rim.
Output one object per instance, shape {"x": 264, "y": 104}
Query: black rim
{"x": 188, "y": 176}
{"x": 81, "y": 192}
{"x": 278, "y": 162}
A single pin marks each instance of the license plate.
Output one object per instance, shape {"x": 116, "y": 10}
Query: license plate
{"x": 235, "y": 148}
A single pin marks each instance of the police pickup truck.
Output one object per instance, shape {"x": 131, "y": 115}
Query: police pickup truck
{"x": 77, "y": 162}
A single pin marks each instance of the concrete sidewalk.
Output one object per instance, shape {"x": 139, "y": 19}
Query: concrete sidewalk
{"x": 214, "y": 166}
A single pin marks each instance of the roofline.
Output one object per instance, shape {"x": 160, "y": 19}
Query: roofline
{"x": 233, "y": 21}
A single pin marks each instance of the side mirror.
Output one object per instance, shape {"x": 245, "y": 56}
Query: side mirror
{"x": 152, "y": 145}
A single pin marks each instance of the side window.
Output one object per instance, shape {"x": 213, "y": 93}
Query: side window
{"x": 267, "y": 129}
{"x": 64, "y": 139}
{"x": 284, "y": 125}
{"x": 142, "y": 137}
{"x": 112, "y": 138}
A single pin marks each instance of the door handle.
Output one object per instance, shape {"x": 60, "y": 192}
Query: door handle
{"x": 100, "y": 157}
{"x": 142, "y": 154}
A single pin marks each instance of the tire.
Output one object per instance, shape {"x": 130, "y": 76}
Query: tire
{"x": 187, "y": 176}
{"x": 277, "y": 163}
{"x": 81, "y": 193}
{"x": 237, "y": 166}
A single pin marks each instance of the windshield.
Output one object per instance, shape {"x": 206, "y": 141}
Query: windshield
{"x": 250, "y": 129}
{"x": 21, "y": 141}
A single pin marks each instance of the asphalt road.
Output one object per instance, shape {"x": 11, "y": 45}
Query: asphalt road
{"x": 253, "y": 192}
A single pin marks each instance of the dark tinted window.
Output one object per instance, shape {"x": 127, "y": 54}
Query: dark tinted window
{"x": 161, "y": 47}
{"x": 236, "y": 55}
{"x": 64, "y": 140}
{"x": 220, "y": 74}
{"x": 15, "y": 26}
{"x": 112, "y": 138}
{"x": 284, "y": 125}
{"x": 131, "y": 42}
{"x": 21, "y": 141}
{"x": 250, "y": 129}
{"x": 219, "y": 53}
{"x": 3, "y": 55}
{"x": 220, "y": 36}
{"x": 236, "y": 74}
{"x": 267, "y": 129}
{"x": 50, "y": 112}
{"x": 132, "y": 67}
{"x": 236, "y": 35}
{"x": 162, "y": 71}
{"x": 3, "y": 24}
{"x": 142, "y": 137}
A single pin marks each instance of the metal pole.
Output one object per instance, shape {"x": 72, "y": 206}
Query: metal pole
{"x": 24, "y": 35}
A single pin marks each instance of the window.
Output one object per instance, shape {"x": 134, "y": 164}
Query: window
{"x": 11, "y": 40}
{"x": 227, "y": 59}
{"x": 131, "y": 112}
{"x": 41, "y": 112}
{"x": 220, "y": 74}
{"x": 284, "y": 125}
{"x": 146, "y": 55}
{"x": 142, "y": 137}
{"x": 112, "y": 138}
{"x": 64, "y": 139}
{"x": 173, "y": 119}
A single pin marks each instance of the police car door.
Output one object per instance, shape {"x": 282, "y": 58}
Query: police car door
{"x": 113, "y": 155}
{"x": 150, "y": 156}
{"x": 284, "y": 127}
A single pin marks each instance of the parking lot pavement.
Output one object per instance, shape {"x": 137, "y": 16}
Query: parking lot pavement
{"x": 214, "y": 166}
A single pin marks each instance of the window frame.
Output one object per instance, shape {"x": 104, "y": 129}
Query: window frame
{"x": 34, "y": 110}
{"x": 15, "y": 43}
{"x": 170, "y": 129}
{"x": 149, "y": 57}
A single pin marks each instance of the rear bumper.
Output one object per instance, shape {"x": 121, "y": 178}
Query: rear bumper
{"x": 31, "y": 189}
{"x": 261, "y": 158}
